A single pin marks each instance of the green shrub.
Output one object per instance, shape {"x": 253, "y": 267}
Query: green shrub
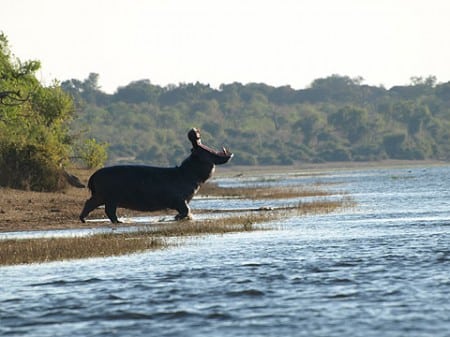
{"x": 92, "y": 153}
{"x": 34, "y": 140}
{"x": 29, "y": 168}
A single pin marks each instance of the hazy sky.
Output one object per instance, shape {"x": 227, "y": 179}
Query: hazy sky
{"x": 279, "y": 42}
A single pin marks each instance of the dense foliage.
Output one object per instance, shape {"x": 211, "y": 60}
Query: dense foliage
{"x": 336, "y": 119}
{"x": 34, "y": 141}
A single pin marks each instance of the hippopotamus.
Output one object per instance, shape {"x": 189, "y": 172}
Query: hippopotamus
{"x": 149, "y": 188}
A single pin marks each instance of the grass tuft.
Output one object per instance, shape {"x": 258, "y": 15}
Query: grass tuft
{"x": 20, "y": 251}
{"x": 212, "y": 189}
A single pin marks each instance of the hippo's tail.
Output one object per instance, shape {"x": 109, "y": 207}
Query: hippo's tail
{"x": 73, "y": 180}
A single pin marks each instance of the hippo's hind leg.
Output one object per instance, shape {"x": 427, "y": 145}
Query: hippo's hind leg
{"x": 184, "y": 212}
{"x": 110, "y": 210}
{"x": 90, "y": 204}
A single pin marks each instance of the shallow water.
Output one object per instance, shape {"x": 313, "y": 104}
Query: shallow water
{"x": 380, "y": 269}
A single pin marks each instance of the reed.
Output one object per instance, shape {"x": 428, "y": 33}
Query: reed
{"x": 325, "y": 206}
{"x": 20, "y": 251}
{"x": 236, "y": 223}
{"x": 212, "y": 189}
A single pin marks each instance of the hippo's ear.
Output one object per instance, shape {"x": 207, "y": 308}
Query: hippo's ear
{"x": 194, "y": 137}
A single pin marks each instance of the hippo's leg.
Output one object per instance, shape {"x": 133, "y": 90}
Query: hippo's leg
{"x": 110, "y": 210}
{"x": 90, "y": 204}
{"x": 184, "y": 212}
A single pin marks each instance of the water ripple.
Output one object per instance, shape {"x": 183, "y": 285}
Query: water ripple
{"x": 245, "y": 292}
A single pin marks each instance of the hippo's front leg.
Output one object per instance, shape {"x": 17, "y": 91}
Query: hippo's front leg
{"x": 184, "y": 212}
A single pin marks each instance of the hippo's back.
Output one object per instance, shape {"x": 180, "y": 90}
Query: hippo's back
{"x": 114, "y": 181}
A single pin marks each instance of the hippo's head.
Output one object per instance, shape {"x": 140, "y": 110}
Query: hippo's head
{"x": 205, "y": 153}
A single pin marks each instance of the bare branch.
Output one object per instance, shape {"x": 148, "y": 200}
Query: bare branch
{"x": 12, "y": 98}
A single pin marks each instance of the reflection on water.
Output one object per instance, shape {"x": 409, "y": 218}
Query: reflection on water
{"x": 381, "y": 269}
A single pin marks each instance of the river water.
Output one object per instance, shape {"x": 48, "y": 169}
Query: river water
{"x": 379, "y": 269}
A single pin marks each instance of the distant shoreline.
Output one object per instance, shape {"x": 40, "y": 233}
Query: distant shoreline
{"x": 389, "y": 163}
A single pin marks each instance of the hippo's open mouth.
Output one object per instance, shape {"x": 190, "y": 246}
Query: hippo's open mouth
{"x": 194, "y": 136}
{"x": 224, "y": 153}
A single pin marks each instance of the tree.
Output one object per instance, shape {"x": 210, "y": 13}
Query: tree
{"x": 429, "y": 81}
{"x": 352, "y": 121}
{"x": 87, "y": 91}
{"x": 393, "y": 144}
{"x": 309, "y": 124}
{"x": 34, "y": 140}
{"x": 92, "y": 153}
{"x": 138, "y": 92}
{"x": 335, "y": 88}
{"x": 413, "y": 114}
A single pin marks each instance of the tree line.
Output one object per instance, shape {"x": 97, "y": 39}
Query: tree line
{"x": 336, "y": 118}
